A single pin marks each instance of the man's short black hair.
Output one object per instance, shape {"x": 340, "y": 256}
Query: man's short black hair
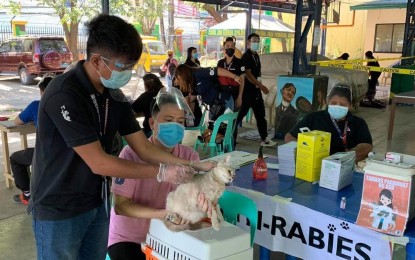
{"x": 369, "y": 54}
{"x": 229, "y": 39}
{"x": 44, "y": 82}
{"x": 252, "y": 35}
{"x": 112, "y": 36}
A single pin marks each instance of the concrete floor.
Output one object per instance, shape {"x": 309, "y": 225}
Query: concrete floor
{"x": 16, "y": 236}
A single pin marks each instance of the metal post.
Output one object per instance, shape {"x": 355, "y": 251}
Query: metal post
{"x": 248, "y": 21}
{"x": 409, "y": 34}
{"x": 316, "y": 34}
{"x": 105, "y": 6}
{"x": 297, "y": 36}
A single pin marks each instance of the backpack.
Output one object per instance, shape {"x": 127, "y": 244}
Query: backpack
{"x": 171, "y": 68}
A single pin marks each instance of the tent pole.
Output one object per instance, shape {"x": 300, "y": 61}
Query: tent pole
{"x": 248, "y": 21}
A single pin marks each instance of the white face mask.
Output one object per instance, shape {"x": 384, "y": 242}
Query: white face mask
{"x": 337, "y": 112}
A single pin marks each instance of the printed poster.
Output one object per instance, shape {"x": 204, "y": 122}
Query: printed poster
{"x": 385, "y": 204}
{"x": 296, "y": 97}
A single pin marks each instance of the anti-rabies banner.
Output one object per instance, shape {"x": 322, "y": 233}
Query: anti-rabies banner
{"x": 308, "y": 234}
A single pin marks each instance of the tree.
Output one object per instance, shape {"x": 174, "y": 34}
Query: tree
{"x": 143, "y": 12}
{"x": 71, "y": 13}
{"x": 218, "y": 17}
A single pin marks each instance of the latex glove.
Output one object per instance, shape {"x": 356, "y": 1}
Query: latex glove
{"x": 203, "y": 166}
{"x": 175, "y": 173}
{"x": 204, "y": 204}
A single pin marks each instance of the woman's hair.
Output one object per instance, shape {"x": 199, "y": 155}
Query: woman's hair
{"x": 388, "y": 194}
{"x": 44, "y": 82}
{"x": 185, "y": 73}
{"x": 167, "y": 100}
{"x": 341, "y": 90}
{"x": 152, "y": 83}
{"x": 189, "y": 53}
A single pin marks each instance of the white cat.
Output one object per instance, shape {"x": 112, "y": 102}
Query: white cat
{"x": 182, "y": 203}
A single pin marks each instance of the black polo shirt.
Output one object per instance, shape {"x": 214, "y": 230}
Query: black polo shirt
{"x": 235, "y": 67}
{"x": 253, "y": 63}
{"x": 357, "y": 132}
{"x": 62, "y": 184}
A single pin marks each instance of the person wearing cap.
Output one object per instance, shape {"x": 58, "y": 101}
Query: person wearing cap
{"x": 79, "y": 115}
{"x": 348, "y": 132}
{"x": 169, "y": 67}
{"x": 142, "y": 105}
{"x": 21, "y": 160}
{"x": 232, "y": 90}
{"x": 137, "y": 201}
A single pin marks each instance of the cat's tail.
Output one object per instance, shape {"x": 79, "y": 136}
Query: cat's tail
{"x": 176, "y": 228}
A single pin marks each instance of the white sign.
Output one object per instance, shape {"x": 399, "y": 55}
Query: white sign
{"x": 288, "y": 227}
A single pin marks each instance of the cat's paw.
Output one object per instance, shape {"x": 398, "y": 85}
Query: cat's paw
{"x": 173, "y": 217}
{"x": 216, "y": 226}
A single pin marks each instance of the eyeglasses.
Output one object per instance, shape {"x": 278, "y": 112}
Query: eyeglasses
{"x": 119, "y": 65}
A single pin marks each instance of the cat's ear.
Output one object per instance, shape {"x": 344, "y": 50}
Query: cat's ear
{"x": 227, "y": 160}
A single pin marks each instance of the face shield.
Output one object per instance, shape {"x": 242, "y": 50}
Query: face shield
{"x": 342, "y": 90}
{"x": 175, "y": 96}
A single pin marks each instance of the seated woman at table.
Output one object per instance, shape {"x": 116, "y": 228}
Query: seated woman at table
{"x": 348, "y": 132}
{"x": 141, "y": 106}
{"x": 137, "y": 201}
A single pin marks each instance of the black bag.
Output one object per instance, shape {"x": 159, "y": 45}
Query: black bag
{"x": 217, "y": 109}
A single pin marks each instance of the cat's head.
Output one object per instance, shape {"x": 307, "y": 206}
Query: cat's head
{"x": 224, "y": 171}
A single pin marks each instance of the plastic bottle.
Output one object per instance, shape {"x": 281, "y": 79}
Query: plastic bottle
{"x": 343, "y": 203}
{"x": 259, "y": 170}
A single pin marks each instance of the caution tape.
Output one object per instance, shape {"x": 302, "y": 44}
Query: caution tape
{"x": 368, "y": 68}
{"x": 357, "y": 61}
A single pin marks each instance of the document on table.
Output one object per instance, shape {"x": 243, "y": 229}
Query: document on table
{"x": 238, "y": 158}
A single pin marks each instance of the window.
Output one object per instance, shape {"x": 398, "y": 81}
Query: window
{"x": 389, "y": 38}
{"x": 5, "y": 47}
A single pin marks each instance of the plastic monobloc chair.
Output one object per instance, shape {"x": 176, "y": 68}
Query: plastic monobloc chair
{"x": 234, "y": 204}
{"x": 202, "y": 125}
{"x": 227, "y": 144}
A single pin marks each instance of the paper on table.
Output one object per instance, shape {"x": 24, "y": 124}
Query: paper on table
{"x": 238, "y": 158}
{"x": 273, "y": 166}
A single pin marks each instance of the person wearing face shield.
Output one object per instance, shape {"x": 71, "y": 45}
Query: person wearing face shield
{"x": 231, "y": 90}
{"x": 79, "y": 115}
{"x": 136, "y": 201}
{"x": 252, "y": 96}
{"x": 348, "y": 132}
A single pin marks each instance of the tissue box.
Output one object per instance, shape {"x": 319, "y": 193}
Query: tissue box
{"x": 312, "y": 148}
{"x": 337, "y": 170}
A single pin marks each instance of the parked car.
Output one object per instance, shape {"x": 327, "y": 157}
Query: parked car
{"x": 153, "y": 57}
{"x": 32, "y": 56}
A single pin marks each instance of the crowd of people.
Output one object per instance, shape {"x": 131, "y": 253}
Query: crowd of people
{"x": 82, "y": 110}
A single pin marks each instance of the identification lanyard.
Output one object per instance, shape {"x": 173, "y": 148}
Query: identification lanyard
{"x": 343, "y": 136}
{"x": 227, "y": 67}
{"x": 102, "y": 130}
{"x": 255, "y": 60}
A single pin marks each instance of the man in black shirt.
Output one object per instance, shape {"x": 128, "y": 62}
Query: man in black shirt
{"x": 348, "y": 132}
{"x": 232, "y": 89}
{"x": 252, "y": 97}
{"x": 79, "y": 114}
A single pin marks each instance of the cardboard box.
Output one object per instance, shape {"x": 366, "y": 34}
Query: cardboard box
{"x": 337, "y": 170}
{"x": 312, "y": 148}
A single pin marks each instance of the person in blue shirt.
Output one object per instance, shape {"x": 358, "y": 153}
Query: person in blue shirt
{"x": 21, "y": 160}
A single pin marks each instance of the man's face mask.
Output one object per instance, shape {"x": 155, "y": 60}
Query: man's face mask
{"x": 255, "y": 46}
{"x": 230, "y": 52}
{"x": 170, "y": 133}
{"x": 118, "y": 79}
